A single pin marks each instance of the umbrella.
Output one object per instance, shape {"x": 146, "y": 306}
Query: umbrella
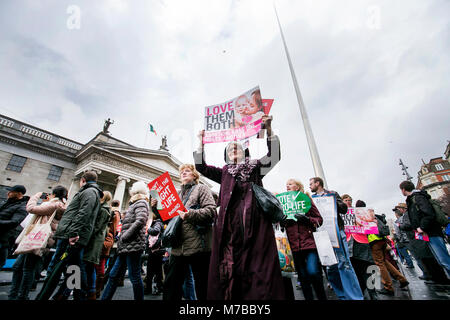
{"x": 52, "y": 280}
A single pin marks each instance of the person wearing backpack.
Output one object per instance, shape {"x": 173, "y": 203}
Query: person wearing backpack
{"x": 425, "y": 216}
{"x": 378, "y": 245}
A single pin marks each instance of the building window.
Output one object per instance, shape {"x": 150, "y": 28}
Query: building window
{"x": 446, "y": 177}
{"x": 439, "y": 167}
{"x": 55, "y": 173}
{"x": 16, "y": 163}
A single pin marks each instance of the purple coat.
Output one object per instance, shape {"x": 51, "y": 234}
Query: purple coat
{"x": 300, "y": 235}
{"x": 250, "y": 270}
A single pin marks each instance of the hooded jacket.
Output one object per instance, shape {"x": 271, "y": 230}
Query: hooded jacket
{"x": 421, "y": 213}
{"x": 12, "y": 213}
{"x": 80, "y": 215}
{"x": 132, "y": 238}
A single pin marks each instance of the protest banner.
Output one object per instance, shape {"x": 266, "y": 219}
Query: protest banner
{"x": 235, "y": 119}
{"x": 328, "y": 210}
{"x": 170, "y": 201}
{"x": 294, "y": 202}
{"x": 360, "y": 220}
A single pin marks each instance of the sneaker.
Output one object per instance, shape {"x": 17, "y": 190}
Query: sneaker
{"x": 386, "y": 292}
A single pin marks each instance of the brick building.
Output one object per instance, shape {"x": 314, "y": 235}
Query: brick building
{"x": 434, "y": 176}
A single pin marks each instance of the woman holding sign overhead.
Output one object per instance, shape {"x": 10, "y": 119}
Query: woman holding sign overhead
{"x": 244, "y": 258}
{"x": 301, "y": 240}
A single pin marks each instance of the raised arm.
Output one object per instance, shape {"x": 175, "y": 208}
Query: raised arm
{"x": 210, "y": 172}
{"x": 273, "y": 155}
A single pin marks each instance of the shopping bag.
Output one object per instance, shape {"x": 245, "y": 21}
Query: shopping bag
{"x": 26, "y": 224}
{"x": 36, "y": 238}
{"x": 284, "y": 250}
{"x": 324, "y": 248}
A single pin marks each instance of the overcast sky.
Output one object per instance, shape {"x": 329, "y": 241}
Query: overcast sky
{"x": 374, "y": 76}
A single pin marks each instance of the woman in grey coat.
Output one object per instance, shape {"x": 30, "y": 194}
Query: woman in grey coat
{"x": 131, "y": 244}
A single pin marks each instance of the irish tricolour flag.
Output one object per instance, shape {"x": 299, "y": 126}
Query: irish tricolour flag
{"x": 152, "y": 129}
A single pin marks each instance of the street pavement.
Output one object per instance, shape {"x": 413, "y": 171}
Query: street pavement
{"x": 417, "y": 289}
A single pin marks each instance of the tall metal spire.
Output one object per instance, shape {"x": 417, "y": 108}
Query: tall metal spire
{"x": 318, "y": 170}
{"x": 405, "y": 172}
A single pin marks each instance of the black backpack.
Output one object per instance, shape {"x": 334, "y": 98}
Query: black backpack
{"x": 383, "y": 229}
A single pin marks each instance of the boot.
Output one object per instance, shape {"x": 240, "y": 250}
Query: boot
{"x": 99, "y": 285}
{"x": 91, "y": 295}
{"x": 372, "y": 294}
{"x": 121, "y": 280}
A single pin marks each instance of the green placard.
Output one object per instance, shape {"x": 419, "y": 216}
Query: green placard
{"x": 294, "y": 202}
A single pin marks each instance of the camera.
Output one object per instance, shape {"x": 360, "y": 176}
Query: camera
{"x": 44, "y": 195}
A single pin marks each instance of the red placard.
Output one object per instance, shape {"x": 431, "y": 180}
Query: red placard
{"x": 267, "y": 104}
{"x": 170, "y": 200}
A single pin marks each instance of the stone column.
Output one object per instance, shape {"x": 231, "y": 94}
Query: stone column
{"x": 120, "y": 188}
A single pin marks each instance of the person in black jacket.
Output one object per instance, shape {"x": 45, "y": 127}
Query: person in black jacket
{"x": 423, "y": 220}
{"x": 155, "y": 255}
{"x": 12, "y": 213}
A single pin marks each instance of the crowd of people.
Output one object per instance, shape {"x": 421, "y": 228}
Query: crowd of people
{"x": 225, "y": 249}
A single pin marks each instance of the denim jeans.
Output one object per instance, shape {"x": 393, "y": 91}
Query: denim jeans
{"x": 89, "y": 267}
{"x": 440, "y": 252}
{"x": 24, "y": 270}
{"x": 189, "y": 286}
{"x": 342, "y": 276}
{"x": 309, "y": 270}
{"x": 61, "y": 246}
{"x": 74, "y": 258}
{"x": 404, "y": 255}
{"x": 132, "y": 261}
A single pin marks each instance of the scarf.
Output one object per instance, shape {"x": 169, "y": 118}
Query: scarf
{"x": 242, "y": 171}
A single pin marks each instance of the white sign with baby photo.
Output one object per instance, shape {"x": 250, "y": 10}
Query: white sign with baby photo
{"x": 235, "y": 119}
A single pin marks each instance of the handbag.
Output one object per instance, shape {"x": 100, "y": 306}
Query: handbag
{"x": 172, "y": 234}
{"x": 324, "y": 248}
{"x": 269, "y": 204}
{"x": 36, "y": 237}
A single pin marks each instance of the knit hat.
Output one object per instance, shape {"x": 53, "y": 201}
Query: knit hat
{"x": 360, "y": 203}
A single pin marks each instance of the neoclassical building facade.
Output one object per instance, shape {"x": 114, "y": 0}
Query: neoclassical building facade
{"x": 40, "y": 160}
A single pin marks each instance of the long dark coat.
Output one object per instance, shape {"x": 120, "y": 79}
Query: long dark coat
{"x": 254, "y": 273}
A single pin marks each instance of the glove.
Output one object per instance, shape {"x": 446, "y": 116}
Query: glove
{"x": 283, "y": 222}
{"x": 301, "y": 218}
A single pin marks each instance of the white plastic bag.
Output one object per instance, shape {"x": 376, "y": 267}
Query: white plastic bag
{"x": 324, "y": 248}
{"x": 284, "y": 250}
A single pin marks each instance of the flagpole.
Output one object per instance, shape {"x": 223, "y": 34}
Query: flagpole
{"x": 318, "y": 170}
{"x": 146, "y": 135}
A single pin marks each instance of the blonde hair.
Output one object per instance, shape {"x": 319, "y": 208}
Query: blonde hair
{"x": 195, "y": 173}
{"x": 139, "y": 187}
{"x": 300, "y": 186}
{"x": 106, "y": 197}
